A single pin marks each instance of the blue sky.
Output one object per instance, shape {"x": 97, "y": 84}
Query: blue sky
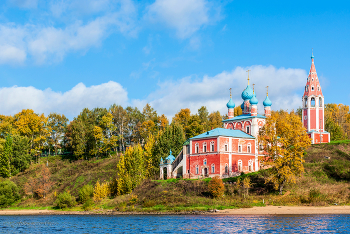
{"x": 62, "y": 56}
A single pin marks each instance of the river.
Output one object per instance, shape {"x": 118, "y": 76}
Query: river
{"x": 175, "y": 224}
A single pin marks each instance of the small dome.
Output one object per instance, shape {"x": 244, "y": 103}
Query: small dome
{"x": 171, "y": 158}
{"x": 230, "y": 104}
{"x": 254, "y": 100}
{"x": 267, "y": 101}
{"x": 247, "y": 93}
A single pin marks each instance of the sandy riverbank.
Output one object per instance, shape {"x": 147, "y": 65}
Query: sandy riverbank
{"x": 268, "y": 210}
{"x": 272, "y": 210}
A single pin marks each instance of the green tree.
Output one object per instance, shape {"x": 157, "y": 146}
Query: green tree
{"x": 215, "y": 120}
{"x": 9, "y": 193}
{"x": 203, "y": 115}
{"x": 21, "y": 158}
{"x": 172, "y": 138}
{"x": 57, "y": 126}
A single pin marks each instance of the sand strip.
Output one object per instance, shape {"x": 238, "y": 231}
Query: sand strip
{"x": 25, "y": 212}
{"x": 280, "y": 210}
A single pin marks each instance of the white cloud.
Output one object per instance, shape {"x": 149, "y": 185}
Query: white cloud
{"x": 186, "y": 17}
{"x": 70, "y": 103}
{"x": 51, "y": 44}
{"x": 285, "y": 86}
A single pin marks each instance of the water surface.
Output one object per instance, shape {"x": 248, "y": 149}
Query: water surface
{"x": 175, "y": 224}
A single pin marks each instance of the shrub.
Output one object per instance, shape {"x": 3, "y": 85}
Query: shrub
{"x": 88, "y": 205}
{"x": 8, "y": 193}
{"x": 216, "y": 187}
{"x": 65, "y": 200}
{"x": 85, "y": 193}
{"x": 101, "y": 191}
{"x": 314, "y": 195}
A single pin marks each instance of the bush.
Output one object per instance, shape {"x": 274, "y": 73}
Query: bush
{"x": 88, "y": 205}
{"x": 101, "y": 191}
{"x": 216, "y": 187}
{"x": 85, "y": 193}
{"x": 314, "y": 195}
{"x": 8, "y": 193}
{"x": 65, "y": 200}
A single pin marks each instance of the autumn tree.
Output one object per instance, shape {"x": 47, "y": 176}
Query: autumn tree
{"x": 215, "y": 120}
{"x": 150, "y": 168}
{"x": 130, "y": 169}
{"x": 284, "y": 140}
{"x": 237, "y": 111}
{"x": 5, "y": 154}
{"x": 34, "y": 126}
{"x": 43, "y": 183}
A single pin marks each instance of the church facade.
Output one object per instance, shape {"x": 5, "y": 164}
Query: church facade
{"x": 233, "y": 149}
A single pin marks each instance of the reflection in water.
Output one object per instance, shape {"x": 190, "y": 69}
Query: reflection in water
{"x": 175, "y": 224}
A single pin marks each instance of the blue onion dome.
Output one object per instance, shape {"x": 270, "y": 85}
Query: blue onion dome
{"x": 247, "y": 93}
{"x": 171, "y": 158}
{"x": 242, "y": 106}
{"x": 254, "y": 100}
{"x": 267, "y": 101}
{"x": 230, "y": 104}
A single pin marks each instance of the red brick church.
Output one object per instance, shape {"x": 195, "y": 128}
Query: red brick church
{"x": 233, "y": 149}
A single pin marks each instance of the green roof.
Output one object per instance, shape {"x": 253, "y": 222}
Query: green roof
{"x": 223, "y": 132}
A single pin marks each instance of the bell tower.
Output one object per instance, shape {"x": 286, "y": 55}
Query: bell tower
{"x": 313, "y": 108}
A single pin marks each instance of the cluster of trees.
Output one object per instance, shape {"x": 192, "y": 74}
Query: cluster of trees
{"x": 99, "y": 132}
{"x": 337, "y": 121}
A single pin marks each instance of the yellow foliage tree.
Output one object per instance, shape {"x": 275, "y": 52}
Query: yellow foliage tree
{"x": 34, "y": 126}
{"x": 284, "y": 140}
{"x": 148, "y": 156}
{"x": 101, "y": 191}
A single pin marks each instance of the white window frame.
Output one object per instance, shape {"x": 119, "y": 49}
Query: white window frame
{"x": 240, "y": 165}
{"x": 249, "y": 148}
{"x": 204, "y": 147}
{"x": 212, "y": 146}
{"x": 239, "y": 148}
{"x": 213, "y": 167}
{"x": 205, "y": 162}
{"x": 248, "y": 129}
{"x": 226, "y": 147}
{"x": 250, "y": 165}
{"x": 226, "y": 168}
{"x": 197, "y": 169}
{"x": 197, "y": 148}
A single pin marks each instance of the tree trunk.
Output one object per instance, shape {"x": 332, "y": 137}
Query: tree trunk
{"x": 281, "y": 187}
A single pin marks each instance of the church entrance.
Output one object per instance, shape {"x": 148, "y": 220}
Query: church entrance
{"x": 205, "y": 172}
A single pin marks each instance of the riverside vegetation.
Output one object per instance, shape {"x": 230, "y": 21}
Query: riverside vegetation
{"x": 98, "y": 171}
{"x": 90, "y": 185}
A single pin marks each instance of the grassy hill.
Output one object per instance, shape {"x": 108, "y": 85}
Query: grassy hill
{"x": 326, "y": 181}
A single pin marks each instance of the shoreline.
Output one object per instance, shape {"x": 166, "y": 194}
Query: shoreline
{"x": 267, "y": 210}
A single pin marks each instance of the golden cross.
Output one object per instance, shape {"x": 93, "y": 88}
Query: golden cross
{"x": 267, "y": 90}
{"x": 248, "y": 76}
{"x": 230, "y": 92}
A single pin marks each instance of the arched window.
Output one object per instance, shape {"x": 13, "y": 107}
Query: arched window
{"x": 312, "y": 102}
{"x": 204, "y": 162}
{"x": 248, "y": 129}
{"x": 212, "y": 146}
{"x": 240, "y": 165}
{"x": 226, "y": 169}
{"x": 197, "y": 148}
{"x": 240, "y": 148}
{"x": 305, "y": 100}
{"x": 248, "y": 148}
{"x": 312, "y": 88}
{"x": 320, "y": 102}
{"x": 204, "y": 147}
{"x": 226, "y": 148}
{"x": 250, "y": 165}
{"x": 318, "y": 88}
{"x": 212, "y": 168}
{"x": 197, "y": 169}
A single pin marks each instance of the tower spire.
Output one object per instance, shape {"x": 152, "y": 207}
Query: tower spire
{"x": 230, "y": 93}
{"x": 253, "y": 88}
{"x": 267, "y": 90}
{"x": 248, "y": 76}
